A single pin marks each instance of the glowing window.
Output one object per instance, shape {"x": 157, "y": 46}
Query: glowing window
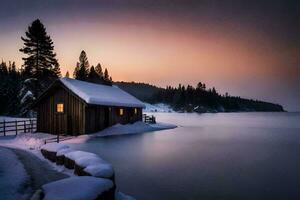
{"x": 135, "y": 111}
{"x": 121, "y": 111}
{"x": 60, "y": 107}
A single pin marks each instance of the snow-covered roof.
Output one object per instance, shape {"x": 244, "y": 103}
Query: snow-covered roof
{"x": 99, "y": 94}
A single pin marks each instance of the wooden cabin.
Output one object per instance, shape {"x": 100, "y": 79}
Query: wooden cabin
{"x": 76, "y": 107}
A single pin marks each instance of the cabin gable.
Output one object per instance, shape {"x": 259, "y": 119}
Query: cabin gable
{"x": 70, "y": 121}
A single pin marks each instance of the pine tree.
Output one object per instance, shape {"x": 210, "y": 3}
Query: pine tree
{"x": 82, "y": 69}
{"x": 76, "y": 70}
{"x": 41, "y": 62}
{"x": 106, "y": 75}
{"x": 67, "y": 75}
{"x": 99, "y": 71}
{"x": 93, "y": 76}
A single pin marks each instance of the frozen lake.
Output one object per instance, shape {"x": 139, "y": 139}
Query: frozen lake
{"x": 209, "y": 156}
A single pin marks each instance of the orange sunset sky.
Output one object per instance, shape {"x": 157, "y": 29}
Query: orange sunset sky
{"x": 167, "y": 44}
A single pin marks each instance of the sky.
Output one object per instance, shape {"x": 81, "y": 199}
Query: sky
{"x": 246, "y": 48}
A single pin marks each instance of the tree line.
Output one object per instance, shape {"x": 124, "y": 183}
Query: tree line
{"x": 202, "y": 99}
{"x": 21, "y": 86}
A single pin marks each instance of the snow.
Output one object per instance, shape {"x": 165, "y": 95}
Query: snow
{"x": 27, "y": 140}
{"x": 120, "y": 129}
{"x": 62, "y": 152}
{"x": 104, "y": 170}
{"x": 13, "y": 176}
{"x": 74, "y": 155}
{"x": 26, "y": 96}
{"x": 76, "y": 188}
{"x": 54, "y": 147}
{"x": 159, "y": 107}
{"x": 101, "y": 94}
{"x": 91, "y": 163}
{"x": 89, "y": 160}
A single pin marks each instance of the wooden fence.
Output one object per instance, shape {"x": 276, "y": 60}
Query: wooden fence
{"x": 149, "y": 119}
{"x": 13, "y": 127}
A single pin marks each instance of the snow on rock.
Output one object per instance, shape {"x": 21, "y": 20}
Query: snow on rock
{"x": 103, "y": 170}
{"x": 74, "y": 155}
{"x": 99, "y": 94}
{"x": 77, "y": 188}
{"x": 89, "y": 160}
{"x": 64, "y": 151}
{"x": 54, "y": 147}
{"x": 13, "y": 176}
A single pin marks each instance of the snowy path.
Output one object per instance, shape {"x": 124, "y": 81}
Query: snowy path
{"x": 40, "y": 172}
{"x": 14, "y": 182}
{"x": 22, "y": 173}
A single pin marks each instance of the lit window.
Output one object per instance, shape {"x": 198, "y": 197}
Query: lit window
{"x": 135, "y": 111}
{"x": 60, "y": 107}
{"x": 121, "y": 112}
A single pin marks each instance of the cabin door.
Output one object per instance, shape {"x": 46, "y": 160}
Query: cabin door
{"x": 61, "y": 124}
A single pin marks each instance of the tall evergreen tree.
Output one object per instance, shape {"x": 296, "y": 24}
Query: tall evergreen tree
{"x": 41, "y": 62}
{"x": 99, "y": 71}
{"x": 82, "y": 69}
{"x": 106, "y": 75}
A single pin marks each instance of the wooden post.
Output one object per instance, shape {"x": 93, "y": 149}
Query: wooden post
{"x": 57, "y": 139}
{"x": 16, "y": 122}
{"x": 30, "y": 127}
{"x": 4, "y": 127}
{"x": 24, "y": 126}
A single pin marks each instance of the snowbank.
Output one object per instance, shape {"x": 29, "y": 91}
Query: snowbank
{"x": 78, "y": 188}
{"x": 27, "y": 140}
{"x": 119, "y": 129}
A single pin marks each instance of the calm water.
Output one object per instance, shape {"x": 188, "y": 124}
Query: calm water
{"x": 209, "y": 156}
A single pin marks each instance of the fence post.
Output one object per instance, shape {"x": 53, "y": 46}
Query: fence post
{"x": 16, "y": 122}
{"x": 4, "y": 127}
{"x": 30, "y": 127}
{"x": 24, "y": 126}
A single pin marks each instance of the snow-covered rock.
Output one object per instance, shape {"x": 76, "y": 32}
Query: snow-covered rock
{"x": 102, "y": 170}
{"x": 74, "y": 155}
{"x": 54, "y": 147}
{"x": 64, "y": 151}
{"x": 79, "y": 188}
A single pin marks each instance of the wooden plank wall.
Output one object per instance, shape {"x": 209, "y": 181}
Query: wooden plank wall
{"x": 100, "y": 117}
{"x": 72, "y": 121}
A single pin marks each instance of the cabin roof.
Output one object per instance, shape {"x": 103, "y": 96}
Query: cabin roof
{"x": 98, "y": 94}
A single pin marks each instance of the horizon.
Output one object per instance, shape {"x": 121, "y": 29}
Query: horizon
{"x": 248, "y": 49}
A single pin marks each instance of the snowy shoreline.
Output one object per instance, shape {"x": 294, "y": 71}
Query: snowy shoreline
{"x": 31, "y": 143}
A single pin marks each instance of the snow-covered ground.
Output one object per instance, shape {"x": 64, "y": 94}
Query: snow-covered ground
{"x": 32, "y": 143}
{"x": 159, "y": 107}
{"x": 13, "y": 177}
